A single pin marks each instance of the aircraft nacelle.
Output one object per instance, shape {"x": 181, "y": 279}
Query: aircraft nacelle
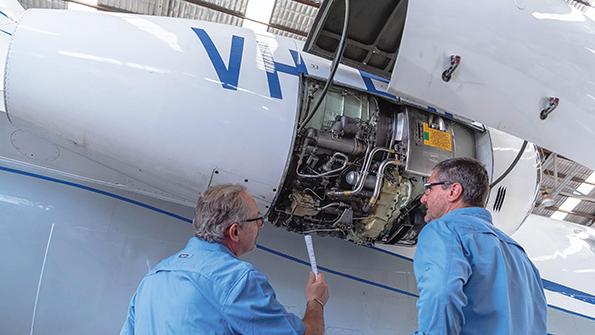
{"x": 179, "y": 105}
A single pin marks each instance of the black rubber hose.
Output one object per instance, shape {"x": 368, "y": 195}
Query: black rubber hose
{"x": 334, "y": 67}
{"x": 512, "y": 165}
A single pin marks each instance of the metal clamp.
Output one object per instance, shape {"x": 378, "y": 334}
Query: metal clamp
{"x": 551, "y": 106}
{"x": 455, "y": 60}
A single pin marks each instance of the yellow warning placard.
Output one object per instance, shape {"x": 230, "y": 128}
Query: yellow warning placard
{"x": 436, "y": 138}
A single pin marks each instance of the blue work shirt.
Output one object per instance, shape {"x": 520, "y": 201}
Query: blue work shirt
{"x": 205, "y": 289}
{"x": 474, "y": 279}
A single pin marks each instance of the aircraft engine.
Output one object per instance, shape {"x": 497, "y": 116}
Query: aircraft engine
{"x": 359, "y": 164}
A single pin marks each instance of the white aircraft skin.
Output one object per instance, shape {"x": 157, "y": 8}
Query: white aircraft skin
{"x": 114, "y": 127}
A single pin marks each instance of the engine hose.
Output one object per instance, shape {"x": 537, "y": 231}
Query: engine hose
{"x": 512, "y": 165}
{"x": 334, "y": 67}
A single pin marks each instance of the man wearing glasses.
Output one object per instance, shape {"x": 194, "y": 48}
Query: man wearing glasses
{"x": 205, "y": 289}
{"x": 471, "y": 277}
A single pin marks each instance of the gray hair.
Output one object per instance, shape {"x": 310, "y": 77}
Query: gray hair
{"x": 218, "y": 208}
{"x": 472, "y": 176}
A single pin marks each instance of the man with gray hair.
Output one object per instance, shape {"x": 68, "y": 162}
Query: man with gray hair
{"x": 471, "y": 277}
{"x": 205, "y": 289}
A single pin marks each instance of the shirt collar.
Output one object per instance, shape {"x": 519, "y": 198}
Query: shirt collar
{"x": 196, "y": 243}
{"x": 473, "y": 211}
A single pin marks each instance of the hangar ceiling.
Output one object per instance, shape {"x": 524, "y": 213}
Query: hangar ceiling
{"x": 567, "y": 187}
{"x": 291, "y": 18}
{"x": 566, "y": 190}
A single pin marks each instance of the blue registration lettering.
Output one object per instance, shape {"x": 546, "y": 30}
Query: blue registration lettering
{"x": 367, "y": 78}
{"x": 228, "y": 75}
{"x": 273, "y": 77}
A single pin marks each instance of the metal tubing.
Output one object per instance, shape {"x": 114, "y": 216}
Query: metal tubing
{"x": 346, "y": 160}
{"x": 379, "y": 179}
{"x": 363, "y": 175}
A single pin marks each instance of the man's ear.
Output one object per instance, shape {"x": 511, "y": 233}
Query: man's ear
{"x": 456, "y": 192}
{"x": 233, "y": 232}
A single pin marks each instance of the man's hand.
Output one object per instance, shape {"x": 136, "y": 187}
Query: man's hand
{"x": 316, "y": 296}
{"x": 317, "y": 288}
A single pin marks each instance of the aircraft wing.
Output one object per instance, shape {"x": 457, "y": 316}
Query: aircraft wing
{"x": 524, "y": 67}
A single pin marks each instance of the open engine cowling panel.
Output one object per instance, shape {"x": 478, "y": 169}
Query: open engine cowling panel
{"x": 358, "y": 166}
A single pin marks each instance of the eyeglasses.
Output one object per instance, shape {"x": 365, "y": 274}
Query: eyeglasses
{"x": 428, "y": 186}
{"x": 260, "y": 218}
